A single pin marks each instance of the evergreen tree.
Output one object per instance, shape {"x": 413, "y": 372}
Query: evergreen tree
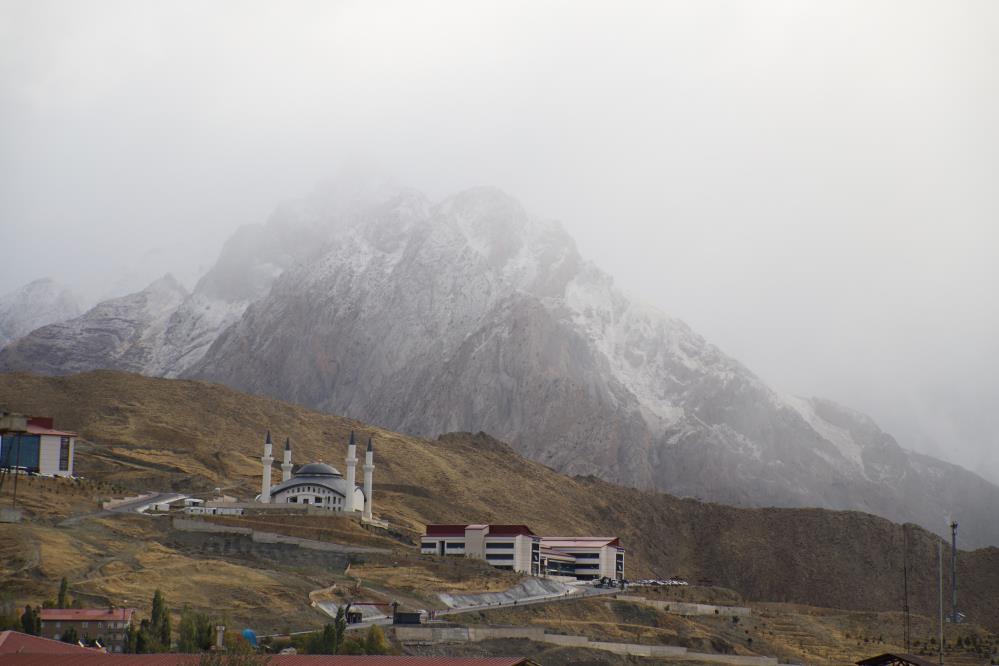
{"x": 30, "y": 621}
{"x": 69, "y": 636}
{"x": 145, "y": 638}
{"x": 159, "y": 624}
{"x": 340, "y": 626}
{"x": 63, "y": 599}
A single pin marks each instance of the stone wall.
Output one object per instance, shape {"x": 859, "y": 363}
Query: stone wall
{"x": 431, "y": 634}
{"x": 683, "y": 608}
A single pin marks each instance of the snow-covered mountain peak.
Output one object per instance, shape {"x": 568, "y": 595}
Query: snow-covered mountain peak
{"x": 34, "y": 305}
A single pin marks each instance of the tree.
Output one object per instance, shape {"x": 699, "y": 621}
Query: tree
{"x": 63, "y": 599}
{"x": 10, "y": 616}
{"x": 160, "y": 620}
{"x": 375, "y": 641}
{"x": 196, "y": 631}
{"x": 30, "y": 621}
{"x": 70, "y": 636}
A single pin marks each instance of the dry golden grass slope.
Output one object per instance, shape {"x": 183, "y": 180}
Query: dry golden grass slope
{"x": 161, "y": 434}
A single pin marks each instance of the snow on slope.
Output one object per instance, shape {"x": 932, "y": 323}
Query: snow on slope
{"x": 32, "y": 306}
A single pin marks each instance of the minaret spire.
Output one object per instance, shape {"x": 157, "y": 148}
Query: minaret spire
{"x": 286, "y": 465}
{"x": 266, "y": 460}
{"x": 369, "y": 469}
{"x": 348, "y": 504}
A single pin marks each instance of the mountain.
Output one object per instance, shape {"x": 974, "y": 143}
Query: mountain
{"x": 34, "y": 305}
{"x": 469, "y": 314}
{"x": 147, "y": 433}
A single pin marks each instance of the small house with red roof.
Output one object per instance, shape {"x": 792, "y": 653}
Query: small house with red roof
{"x": 41, "y": 449}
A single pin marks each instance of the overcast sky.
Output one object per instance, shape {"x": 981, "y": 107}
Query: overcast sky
{"x": 813, "y": 186}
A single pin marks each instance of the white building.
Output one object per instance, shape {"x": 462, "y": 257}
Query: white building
{"x": 517, "y": 548}
{"x": 593, "y": 557}
{"x": 39, "y": 450}
{"x": 319, "y": 484}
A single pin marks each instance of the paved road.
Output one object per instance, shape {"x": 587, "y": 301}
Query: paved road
{"x": 146, "y": 502}
{"x": 584, "y": 592}
{"x": 128, "y": 507}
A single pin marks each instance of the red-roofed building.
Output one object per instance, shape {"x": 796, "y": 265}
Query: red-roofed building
{"x": 106, "y": 625}
{"x": 14, "y": 642}
{"x": 41, "y": 449}
{"x": 272, "y": 660}
{"x": 517, "y": 548}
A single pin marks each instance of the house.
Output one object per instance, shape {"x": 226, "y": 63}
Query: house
{"x": 15, "y": 642}
{"x": 39, "y": 449}
{"x": 517, "y": 548}
{"x": 106, "y": 625}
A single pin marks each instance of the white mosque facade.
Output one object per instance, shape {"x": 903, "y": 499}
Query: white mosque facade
{"x": 319, "y": 484}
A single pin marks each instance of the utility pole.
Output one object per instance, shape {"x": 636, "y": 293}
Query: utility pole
{"x": 905, "y": 585}
{"x": 954, "y": 617}
{"x": 940, "y": 576}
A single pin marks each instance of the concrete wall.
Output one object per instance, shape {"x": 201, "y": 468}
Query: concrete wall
{"x": 429, "y": 634}
{"x": 683, "y": 608}
{"x": 48, "y": 455}
{"x": 522, "y": 553}
{"x": 475, "y": 542}
{"x": 189, "y": 525}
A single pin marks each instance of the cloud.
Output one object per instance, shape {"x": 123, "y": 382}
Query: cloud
{"x": 811, "y": 185}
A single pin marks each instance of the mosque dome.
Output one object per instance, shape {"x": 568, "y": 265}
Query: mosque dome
{"x": 318, "y": 469}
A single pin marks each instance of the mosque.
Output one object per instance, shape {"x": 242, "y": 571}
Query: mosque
{"x": 319, "y": 484}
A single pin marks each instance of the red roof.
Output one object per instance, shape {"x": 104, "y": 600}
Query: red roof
{"x": 551, "y": 552}
{"x": 88, "y": 614}
{"x": 43, "y": 425}
{"x": 509, "y": 530}
{"x": 445, "y": 530}
{"x": 14, "y": 641}
{"x": 274, "y": 660}
{"x": 493, "y": 530}
{"x": 35, "y": 430}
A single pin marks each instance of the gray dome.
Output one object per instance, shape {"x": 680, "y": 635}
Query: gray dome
{"x": 318, "y": 469}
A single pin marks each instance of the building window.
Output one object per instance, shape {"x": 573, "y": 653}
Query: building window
{"x": 454, "y": 544}
{"x": 64, "y": 454}
{"x": 500, "y": 556}
{"x": 586, "y": 556}
{"x": 500, "y": 544}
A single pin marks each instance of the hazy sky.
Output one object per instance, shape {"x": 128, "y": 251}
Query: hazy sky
{"x": 811, "y": 185}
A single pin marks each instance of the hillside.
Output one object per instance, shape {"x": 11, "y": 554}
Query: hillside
{"x": 157, "y": 433}
{"x": 470, "y": 314}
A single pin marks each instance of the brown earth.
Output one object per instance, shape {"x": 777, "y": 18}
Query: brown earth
{"x": 158, "y": 434}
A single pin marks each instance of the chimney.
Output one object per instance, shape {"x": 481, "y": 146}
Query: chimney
{"x": 219, "y": 637}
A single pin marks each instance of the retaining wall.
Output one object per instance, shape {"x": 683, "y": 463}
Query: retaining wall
{"x": 683, "y": 608}
{"x": 190, "y": 525}
{"x": 431, "y": 635}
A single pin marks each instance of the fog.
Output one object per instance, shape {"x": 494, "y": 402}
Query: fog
{"x": 812, "y": 186}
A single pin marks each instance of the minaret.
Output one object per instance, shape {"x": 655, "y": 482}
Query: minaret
{"x": 369, "y": 468}
{"x": 348, "y": 505}
{"x": 267, "y": 460}
{"x": 286, "y": 465}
